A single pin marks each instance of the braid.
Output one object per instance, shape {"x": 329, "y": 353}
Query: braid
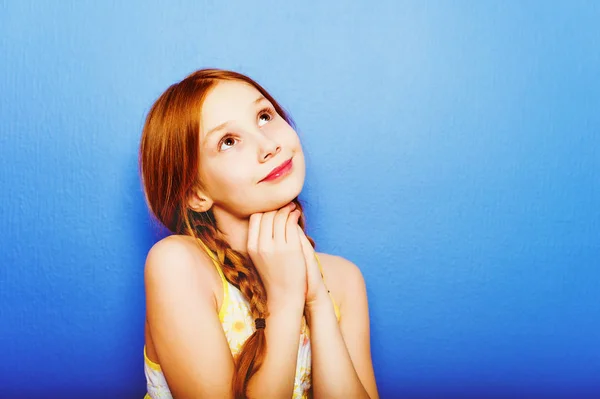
{"x": 239, "y": 271}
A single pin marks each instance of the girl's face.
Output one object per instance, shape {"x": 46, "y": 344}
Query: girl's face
{"x": 242, "y": 139}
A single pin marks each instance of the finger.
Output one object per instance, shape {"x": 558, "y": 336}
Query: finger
{"x": 279, "y": 223}
{"x": 312, "y": 267}
{"x": 307, "y": 248}
{"x": 253, "y": 232}
{"x": 291, "y": 225}
{"x": 265, "y": 237}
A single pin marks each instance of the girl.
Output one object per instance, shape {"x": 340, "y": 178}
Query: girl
{"x": 236, "y": 300}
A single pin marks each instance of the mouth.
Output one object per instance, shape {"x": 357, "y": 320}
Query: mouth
{"x": 279, "y": 171}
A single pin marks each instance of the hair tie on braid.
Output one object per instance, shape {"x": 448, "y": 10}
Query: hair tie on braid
{"x": 260, "y": 323}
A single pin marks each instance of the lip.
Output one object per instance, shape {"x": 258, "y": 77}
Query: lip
{"x": 279, "y": 171}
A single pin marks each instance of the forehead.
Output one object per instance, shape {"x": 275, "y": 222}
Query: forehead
{"x": 227, "y": 101}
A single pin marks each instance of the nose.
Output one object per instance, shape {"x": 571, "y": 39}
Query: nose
{"x": 267, "y": 148}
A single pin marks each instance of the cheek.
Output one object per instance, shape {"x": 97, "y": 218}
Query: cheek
{"x": 290, "y": 138}
{"x": 232, "y": 176}
{"x": 232, "y": 172}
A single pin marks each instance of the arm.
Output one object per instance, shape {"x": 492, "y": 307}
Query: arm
{"x": 342, "y": 365}
{"x": 275, "y": 378}
{"x": 341, "y": 354}
{"x": 184, "y": 325}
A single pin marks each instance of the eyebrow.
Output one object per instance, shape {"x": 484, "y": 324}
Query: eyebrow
{"x": 222, "y": 125}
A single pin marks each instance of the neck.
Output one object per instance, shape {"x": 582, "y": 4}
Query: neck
{"x": 234, "y": 229}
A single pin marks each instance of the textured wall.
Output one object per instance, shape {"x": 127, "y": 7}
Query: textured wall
{"x": 453, "y": 154}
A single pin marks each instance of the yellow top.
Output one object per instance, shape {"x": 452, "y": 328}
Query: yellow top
{"x": 238, "y": 325}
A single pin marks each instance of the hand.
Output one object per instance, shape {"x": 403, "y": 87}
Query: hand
{"x": 316, "y": 290}
{"x": 276, "y": 251}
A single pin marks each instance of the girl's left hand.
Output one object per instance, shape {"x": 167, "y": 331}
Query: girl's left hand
{"x": 316, "y": 290}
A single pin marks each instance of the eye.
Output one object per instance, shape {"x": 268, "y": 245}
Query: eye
{"x": 228, "y": 141}
{"x": 268, "y": 112}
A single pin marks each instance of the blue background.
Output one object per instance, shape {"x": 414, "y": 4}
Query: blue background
{"x": 453, "y": 154}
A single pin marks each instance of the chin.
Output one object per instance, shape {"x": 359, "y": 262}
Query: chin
{"x": 293, "y": 188}
{"x": 280, "y": 201}
{"x": 282, "y": 194}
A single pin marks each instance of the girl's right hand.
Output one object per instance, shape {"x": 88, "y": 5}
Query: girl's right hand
{"x": 276, "y": 251}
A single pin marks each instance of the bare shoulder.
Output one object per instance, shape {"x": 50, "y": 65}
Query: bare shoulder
{"x": 342, "y": 276}
{"x": 177, "y": 260}
{"x": 175, "y": 253}
{"x": 339, "y": 267}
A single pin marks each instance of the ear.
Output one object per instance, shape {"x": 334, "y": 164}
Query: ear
{"x": 198, "y": 201}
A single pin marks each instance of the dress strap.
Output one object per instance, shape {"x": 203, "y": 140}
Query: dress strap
{"x": 223, "y": 280}
{"x": 335, "y": 307}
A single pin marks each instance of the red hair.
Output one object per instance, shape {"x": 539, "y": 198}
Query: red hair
{"x": 168, "y": 162}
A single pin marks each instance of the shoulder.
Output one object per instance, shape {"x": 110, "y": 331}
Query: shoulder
{"x": 175, "y": 260}
{"x": 342, "y": 276}
{"x": 175, "y": 252}
{"x": 339, "y": 267}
